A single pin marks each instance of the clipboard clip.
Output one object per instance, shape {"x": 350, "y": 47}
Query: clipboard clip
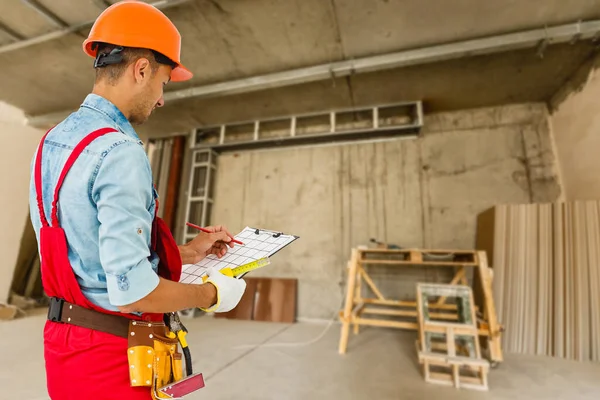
{"x": 274, "y": 234}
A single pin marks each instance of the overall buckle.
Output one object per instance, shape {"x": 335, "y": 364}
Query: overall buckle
{"x": 55, "y": 309}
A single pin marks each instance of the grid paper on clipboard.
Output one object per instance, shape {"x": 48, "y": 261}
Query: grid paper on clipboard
{"x": 265, "y": 243}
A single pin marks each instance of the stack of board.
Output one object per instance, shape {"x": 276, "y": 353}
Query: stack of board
{"x": 266, "y": 299}
{"x": 546, "y": 285}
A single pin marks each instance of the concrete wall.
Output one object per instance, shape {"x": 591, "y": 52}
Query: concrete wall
{"x": 422, "y": 192}
{"x": 576, "y": 129}
{"x": 18, "y": 145}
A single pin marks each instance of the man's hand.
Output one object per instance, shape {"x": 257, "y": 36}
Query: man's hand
{"x": 204, "y": 244}
{"x": 229, "y": 291}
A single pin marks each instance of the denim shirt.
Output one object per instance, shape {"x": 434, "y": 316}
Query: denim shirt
{"x": 106, "y": 204}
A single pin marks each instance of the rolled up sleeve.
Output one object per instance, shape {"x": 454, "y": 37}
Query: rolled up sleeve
{"x": 122, "y": 192}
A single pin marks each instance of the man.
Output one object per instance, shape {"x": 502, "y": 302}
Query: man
{"x": 106, "y": 258}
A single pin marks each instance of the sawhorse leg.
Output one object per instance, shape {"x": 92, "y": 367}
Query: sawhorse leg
{"x": 353, "y": 266}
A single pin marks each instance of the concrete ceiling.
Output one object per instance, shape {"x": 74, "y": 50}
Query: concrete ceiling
{"x": 225, "y": 40}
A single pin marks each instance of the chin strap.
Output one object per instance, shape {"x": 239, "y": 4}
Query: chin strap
{"x": 104, "y": 59}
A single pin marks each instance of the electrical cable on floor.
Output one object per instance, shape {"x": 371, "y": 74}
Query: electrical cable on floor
{"x": 229, "y": 364}
{"x": 296, "y": 344}
{"x": 291, "y": 344}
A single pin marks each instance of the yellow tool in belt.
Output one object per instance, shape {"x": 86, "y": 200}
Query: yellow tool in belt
{"x": 178, "y": 330}
{"x": 240, "y": 271}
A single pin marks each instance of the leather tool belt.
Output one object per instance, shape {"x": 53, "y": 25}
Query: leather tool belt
{"x": 62, "y": 311}
{"x": 152, "y": 350}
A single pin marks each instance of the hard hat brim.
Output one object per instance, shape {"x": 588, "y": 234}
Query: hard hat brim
{"x": 180, "y": 74}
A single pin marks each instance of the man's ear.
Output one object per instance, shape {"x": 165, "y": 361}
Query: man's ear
{"x": 141, "y": 70}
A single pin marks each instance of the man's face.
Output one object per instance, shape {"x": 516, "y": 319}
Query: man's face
{"x": 150, "y": 95}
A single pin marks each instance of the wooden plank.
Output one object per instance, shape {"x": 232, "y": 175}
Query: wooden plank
{"x": 385, "y": 323}
{"x": 522, "y": 293}
{"x": 345, "y": 330}
{"x": 511, "y": 279}
{"x": 426, "y": 263}
{"x": 174, "y": 180}
{"x": 459, "y": 276}
{"x": 499, "y": 262}
{"x": 532, "y": 284}
{"x": 416, "y": 256}
{"x": 550, "y": 297}
{"x": 568, "y": 276}
{"x": 487, "y": 234}
{"x": 405, "y": 313}
{"x": 594, "y": 257}
{"x": 370, "y": 283}
{"x": 582, "y": 298}
{"x": 490, "y": 307}
{"x": 520, "y": 286}
{"x": 458, "y": 330}
{"x": 460, "y": 252}
{"x": 466, "y": 382}
{"x": 559, "y": 280}
{"x": 445, "y": 359}
{"x": 412, "y": 304}
{"x": 276, "y": 300}
{"x": 358, "y": 300}
{"x": 543, "y": 300}
{"x": 421, "y": 321}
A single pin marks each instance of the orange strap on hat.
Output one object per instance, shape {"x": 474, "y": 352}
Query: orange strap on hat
{"x": 137, "y": 24}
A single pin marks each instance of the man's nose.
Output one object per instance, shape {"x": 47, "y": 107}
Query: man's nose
{"x": 161, "y": 102}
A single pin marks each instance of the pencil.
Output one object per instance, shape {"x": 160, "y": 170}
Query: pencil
{"x": 207, "y": 231}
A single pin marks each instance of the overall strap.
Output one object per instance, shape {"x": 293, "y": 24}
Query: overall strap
{"x": 38, "y": 180}
{"x": 68, "y": 164}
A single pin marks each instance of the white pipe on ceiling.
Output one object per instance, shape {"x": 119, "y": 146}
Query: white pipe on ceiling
{"x": 536, "y": 38}
{"x": 162, "y": 4}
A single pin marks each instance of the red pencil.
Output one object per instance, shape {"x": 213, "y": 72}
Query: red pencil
{"x": 207, "y": 231}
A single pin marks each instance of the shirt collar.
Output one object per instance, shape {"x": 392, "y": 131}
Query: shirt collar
{"x": 104, "y": 106}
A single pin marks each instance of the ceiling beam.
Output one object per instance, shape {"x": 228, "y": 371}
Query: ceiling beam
{"x": 44, "y": 12}
{"x": 10, "y": 32}
{"x": 102, "y": 4}
{"x": 162, "y": 5}
{"x": 436, "y": 53}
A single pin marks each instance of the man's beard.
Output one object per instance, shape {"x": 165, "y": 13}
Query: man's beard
{"x": 141, "y": 111}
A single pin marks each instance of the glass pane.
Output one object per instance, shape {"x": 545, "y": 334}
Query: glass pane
{"x": 395, "y": 115}
{"x": 275, "y": 129}
{"x": 349, "y": 121}
{"x": 201, "y": 157}
{"x": 208, "y": 136}
{"x": 211, "y": 184}
{"x": 313, "y": 125}
{"x": 208, "y": 216}
{"x": 239, "y": 133}
{"x": 195, "y": 216}
{"x": 199, "y": 181}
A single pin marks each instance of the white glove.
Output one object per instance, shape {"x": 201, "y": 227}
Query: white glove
{"x": 229, "y": 290}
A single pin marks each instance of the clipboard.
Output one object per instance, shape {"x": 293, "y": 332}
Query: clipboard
{"x": 258, "y": 244}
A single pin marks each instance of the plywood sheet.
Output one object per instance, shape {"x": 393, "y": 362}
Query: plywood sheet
{"x": 546, "y": 278}
{"x": 276, "y": 300}
{"x": 245, "y": 308}
{"x": 266, "y": 299}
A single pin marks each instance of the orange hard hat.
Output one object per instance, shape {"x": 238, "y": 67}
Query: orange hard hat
{"x": 138, "y": 24}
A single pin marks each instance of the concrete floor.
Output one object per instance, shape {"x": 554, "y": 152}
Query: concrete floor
{"x": 380, "y": 364}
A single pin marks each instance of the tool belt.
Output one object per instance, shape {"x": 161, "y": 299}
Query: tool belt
{"x": 152, "y": 348}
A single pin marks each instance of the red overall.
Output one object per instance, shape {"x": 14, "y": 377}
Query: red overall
{"x": 82, "y": 363}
